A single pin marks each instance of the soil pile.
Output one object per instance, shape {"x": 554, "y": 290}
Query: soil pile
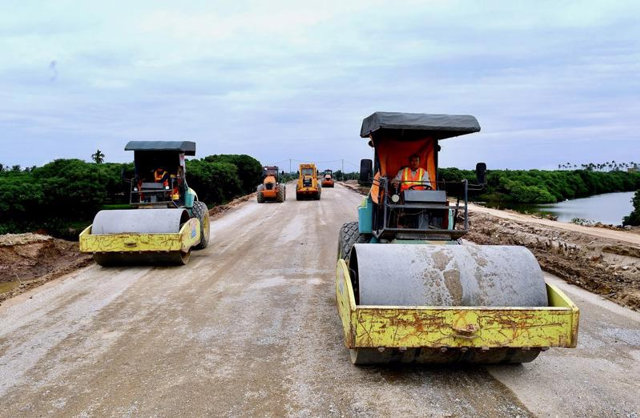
{"x": 356, "y": 187}
{"x": 29, "y": 260}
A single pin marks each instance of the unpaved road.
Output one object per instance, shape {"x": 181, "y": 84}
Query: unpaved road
{"x": 249, "y": 327}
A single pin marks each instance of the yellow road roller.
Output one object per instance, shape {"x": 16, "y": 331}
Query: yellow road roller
{"x": 409, "y": 290}
{"x": 166, "y": 221}
{"x": 308, "y": 185}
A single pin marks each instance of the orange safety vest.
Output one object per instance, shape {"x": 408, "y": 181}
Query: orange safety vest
{"x": 375, "y": 188}
{"x": 158, "y": 175}
{"x": 409, "y": 180}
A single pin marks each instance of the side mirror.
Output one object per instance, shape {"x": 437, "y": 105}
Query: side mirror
{"x": 481, "y": 173}
{"x": 366, "y": 172}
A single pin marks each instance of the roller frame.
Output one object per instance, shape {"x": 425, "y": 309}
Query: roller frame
{"x": 403, "y": 328}
{"x": 182, "y": 241}
{"x": 269, "y": 194}
{"x": 308, "y": 191}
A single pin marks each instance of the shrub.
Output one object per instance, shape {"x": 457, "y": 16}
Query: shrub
{"x": 214, "y": 182}
{"x": 634, "y": 217}
{"x": 249, "y": 170}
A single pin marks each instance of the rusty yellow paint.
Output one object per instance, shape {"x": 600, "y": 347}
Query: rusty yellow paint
{"x": 434, "y": 327}
{"x": 187, "y": 237}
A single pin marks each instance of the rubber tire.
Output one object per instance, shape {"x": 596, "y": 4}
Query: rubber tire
{"x": 201, "y": 212}
{"x": 349, "y": 236}
{"x": 259, "y": 195}
{"x": 298, "y": 196}
{"x": 280, "y": 196}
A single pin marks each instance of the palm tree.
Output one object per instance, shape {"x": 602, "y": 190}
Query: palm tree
{"x": 98, "y": 157}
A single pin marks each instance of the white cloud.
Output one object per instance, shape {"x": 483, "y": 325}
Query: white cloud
{"x": 301, "y": 76}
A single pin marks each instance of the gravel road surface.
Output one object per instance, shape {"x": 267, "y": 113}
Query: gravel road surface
{"x": 249, "y": 327}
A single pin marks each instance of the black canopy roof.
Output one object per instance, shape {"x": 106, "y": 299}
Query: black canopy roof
{"x": 436, "y": 126}
{"x": 188, "y": 147}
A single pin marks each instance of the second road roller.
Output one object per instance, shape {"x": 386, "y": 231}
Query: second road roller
{"x": 167, "y": 220}
{"x": 271, "y": 188}
{"x": 308, "y": 185}
{"x": 409, "y": 290}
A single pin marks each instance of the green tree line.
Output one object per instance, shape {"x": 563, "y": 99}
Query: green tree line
{"x": 606, "y": 166}
{"x": 63, "y": 196}
{"x": 543, "y": 186}
{"x": 634, "y": 217}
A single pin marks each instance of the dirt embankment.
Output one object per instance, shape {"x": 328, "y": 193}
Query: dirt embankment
{"x": 606, "y": 266}
{"x": 353, "y": 185}
{"x": 217, "y": 211}
{"x": 29, "y": 260}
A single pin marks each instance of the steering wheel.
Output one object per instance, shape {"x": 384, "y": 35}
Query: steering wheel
{"x": 426, "y": 186}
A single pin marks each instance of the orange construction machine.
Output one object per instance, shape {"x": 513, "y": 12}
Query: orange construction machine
{"x": 271, "y": 189}
{"x": 327, "y": 178}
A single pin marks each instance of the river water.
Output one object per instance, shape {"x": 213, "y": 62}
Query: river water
{"x": 608, "y": 208}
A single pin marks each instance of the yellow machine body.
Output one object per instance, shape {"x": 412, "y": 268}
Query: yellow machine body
{"x": 185, "y": 239}
{"x": 408, "y": 290}
{"x": 455, "y": 327}
{"x": 307, "y": 184}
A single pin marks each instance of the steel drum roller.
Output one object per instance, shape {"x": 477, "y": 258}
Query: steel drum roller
{"x": 139, "y": 221}
{"x": 447, "y": 275}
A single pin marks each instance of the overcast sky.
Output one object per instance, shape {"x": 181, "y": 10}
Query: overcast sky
{"x": 549, "y": 82}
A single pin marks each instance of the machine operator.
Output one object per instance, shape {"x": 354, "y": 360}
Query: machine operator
{"x": 412, "y": 176}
